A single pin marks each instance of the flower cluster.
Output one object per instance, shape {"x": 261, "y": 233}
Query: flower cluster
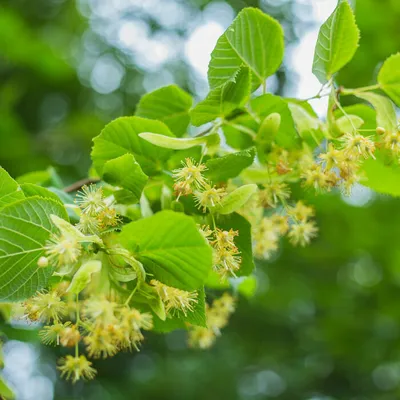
{"x": 190, "y": 179}
{"x": 97, "y": 211}
{"x": 226, "y": 255}
{"x": 104, "y": 327}
{"x": 175, "y": 299}
{"x": 217, "y": 317}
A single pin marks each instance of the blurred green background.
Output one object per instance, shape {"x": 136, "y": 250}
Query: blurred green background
{"x": 325, "y": 321}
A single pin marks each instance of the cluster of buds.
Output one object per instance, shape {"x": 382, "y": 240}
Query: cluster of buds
{"x": 190, "y": 179}
{"x": 97, "y": 212}
{"x": 226, "y": 255}
{"x": 217, "y": 317}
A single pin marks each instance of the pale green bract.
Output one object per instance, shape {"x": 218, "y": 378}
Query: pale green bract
{"x": 385, "y": 111}
{"x": 83, "y": 276}
{"x": 236, "y": 199}
{"x": 337, "y": 42}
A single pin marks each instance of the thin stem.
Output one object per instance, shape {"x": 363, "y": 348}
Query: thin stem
{"x": 213, "y": 221}
{"x": 344, "y": 113}
{"x": 264, "y": 87}
{"x": 130, "y": 296}
{"x": 77, "y": 323}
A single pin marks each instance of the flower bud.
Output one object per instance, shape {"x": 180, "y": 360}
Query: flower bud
{"x": 43, "y": 262}
{"x": 380, "y": 130}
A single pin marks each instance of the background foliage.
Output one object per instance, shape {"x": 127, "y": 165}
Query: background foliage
{"x": 324, "y": 323}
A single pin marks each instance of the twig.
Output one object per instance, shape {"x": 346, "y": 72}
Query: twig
{"x": 79, "y": 184}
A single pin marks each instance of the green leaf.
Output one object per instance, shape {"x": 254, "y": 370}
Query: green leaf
{"x": 243, "y": 241}
{"x": 267, "y": 104}
{"x": 254, "y": 40}
{"x": 36, "y": 177}
{"x": 306, "y": 122}
{"x": 385, "y": 111}
{"x": 237, "y": 138}
{"x": 266, "y": 134}
{"x": 83, "y": 276}
{"x": 169, "y": 104}
{"x": 121, "y": 136}
{"x": 31, "y": 190}
{"x": 337, "y": 42}
{"x": 380, "y": 177}
{"x": 365, "y": 112}
{"x": 125, "y": 172}
{"x": 170, "y": 246}
{"x": 224, "y": 99}
{"x": 236, "y": 199}
{"x": 9, "y": 189}
{"x": 229, "y": 166}
{"x": 347, "y": 123}
{"x": 179, "y": 143}
{"x": 25, "y": 227}
{"x": 389, "y": 77}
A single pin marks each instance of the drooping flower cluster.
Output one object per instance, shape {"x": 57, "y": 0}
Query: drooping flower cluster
{"x": 217, "y": 317}
{"x": 226, "y": 255}
{"x": 104, "y": 327}
{"x": 175, "y": 299}
{"x": 190, "y": 179}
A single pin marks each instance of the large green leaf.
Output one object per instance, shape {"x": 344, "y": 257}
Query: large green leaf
{"x": 170, "y": 247}
{"x": 389, "y": 77}
{"x": 222, "y": 100}
{"x": 121, "y": 136}
{"x": 267, "y": 104}
{"x": 125, "y": 172}
{"x": 337, "y": 42}
{"x": 380, "y": 177}
{"x": 254, "y": 40}
{"x": 243, "y": 241}
{"x": 9, "y": 189}
{"x": 25, "y": 227}
{"x": 385, "y": 111}
{"x": 169, "y": 104}
{"x": 229, "y": 166}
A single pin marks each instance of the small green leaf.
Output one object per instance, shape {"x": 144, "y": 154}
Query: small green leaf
{"x": 234, "y": 134}
{"x": 347, "y": 123}
{"x": 170, "y": 246}
{"x": 243, "y": 241}
{"x": 229, "y": 166}
{"x": 389, "y": 77}
{"x": 169, "y": 104}
{"x": 83, "y": 276}
{"x": 385, "y": 111}
{"x": 254, "y": 40}
{"x": 337, "y": 42}
{"x": 236, "y": 199}
{"x": 9, "y": 189}
{"x": 178, "y": 143}
{"x": 25, "y": 227}
{"x": 224, "y": 99}
{"x": 121, "y": 136}
{"x": 126, "y": 173}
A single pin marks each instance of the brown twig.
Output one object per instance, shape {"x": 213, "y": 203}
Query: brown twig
{"x": 79, "y": 184}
